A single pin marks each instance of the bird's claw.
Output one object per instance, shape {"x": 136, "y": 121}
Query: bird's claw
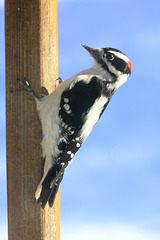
{"x": 58, "y": 81}
{"x": 27, "y": 88}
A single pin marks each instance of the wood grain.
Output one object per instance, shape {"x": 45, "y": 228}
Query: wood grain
{"x": 32, "y": 53}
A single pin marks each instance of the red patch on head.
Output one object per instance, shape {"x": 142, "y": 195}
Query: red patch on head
{"x": 130, "y": 65}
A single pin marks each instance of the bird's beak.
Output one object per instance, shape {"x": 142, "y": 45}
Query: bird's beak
{"x": 93, "y": 52}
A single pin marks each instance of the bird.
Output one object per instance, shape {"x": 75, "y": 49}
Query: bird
{"x": 70, "y": 112}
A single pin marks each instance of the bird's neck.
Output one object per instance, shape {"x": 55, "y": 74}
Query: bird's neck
{"x": 97, "y": 71}
{"x": 113, "y": 83}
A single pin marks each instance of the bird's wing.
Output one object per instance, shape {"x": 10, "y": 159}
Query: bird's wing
{"x": 81, "y": 105}
{"x": 78, "y": 101}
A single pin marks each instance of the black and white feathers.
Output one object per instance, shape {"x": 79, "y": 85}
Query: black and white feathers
{"x": 69, "y": 114}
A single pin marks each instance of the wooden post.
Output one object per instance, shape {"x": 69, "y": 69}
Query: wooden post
{"x": 31, "y": 52}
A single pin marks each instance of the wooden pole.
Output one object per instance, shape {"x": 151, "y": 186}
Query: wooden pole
{"x": 32, "y": 53}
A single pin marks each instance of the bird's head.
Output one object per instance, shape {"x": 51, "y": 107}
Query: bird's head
{"x": 111, "y": 61}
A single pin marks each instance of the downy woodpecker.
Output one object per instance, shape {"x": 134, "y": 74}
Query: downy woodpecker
{"x": 70, "y": 112}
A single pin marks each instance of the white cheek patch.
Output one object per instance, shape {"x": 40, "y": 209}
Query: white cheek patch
{"x": 113, "y": 69}
{"x": 120, "y": 55}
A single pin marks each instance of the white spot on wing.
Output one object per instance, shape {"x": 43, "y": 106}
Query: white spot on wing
{"x": 66, "y": 100}
{"x": 69, "y": 152}
{"x": 66, "y": 126}
{"x": 66, "y": 106}
{"x": 72, "y": 155}
{"x": 69, "y": 111}
{"x": 78, "y": 144}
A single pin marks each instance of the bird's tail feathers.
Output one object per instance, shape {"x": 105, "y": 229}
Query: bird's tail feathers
{"x": 45, "y": 192}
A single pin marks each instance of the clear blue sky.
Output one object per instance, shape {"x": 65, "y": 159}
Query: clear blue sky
{"x": 112, "y": 188}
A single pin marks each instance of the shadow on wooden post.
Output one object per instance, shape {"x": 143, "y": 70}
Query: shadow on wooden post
{"x": 31, "y": 52}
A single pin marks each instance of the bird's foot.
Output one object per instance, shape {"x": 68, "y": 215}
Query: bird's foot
{"x": 27, "y": 88}
{"x": 58, "y": 81}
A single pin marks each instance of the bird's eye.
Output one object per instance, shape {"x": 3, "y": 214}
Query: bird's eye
{"x": 110, "y": 56}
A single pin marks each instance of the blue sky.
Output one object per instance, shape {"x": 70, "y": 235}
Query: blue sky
{"x": 112, "y": 188}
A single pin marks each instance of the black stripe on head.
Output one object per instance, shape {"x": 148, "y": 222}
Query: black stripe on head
{"x": 120, "y": 65}
{"x": 104, "y": 66}
{"x": 106, "y": 50}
